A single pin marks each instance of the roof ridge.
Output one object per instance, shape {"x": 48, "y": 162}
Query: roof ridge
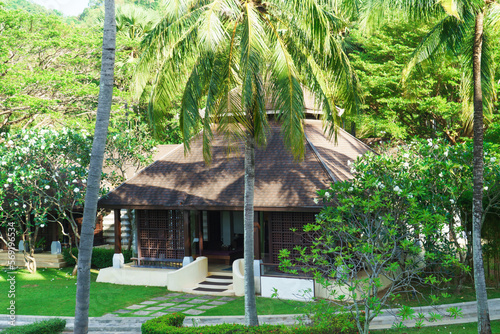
{"x": 320, "y": 159}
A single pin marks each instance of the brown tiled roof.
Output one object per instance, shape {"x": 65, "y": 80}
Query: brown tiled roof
{"x": 184, "y": 181}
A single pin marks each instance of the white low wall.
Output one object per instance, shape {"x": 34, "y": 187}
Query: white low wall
{"x": 238, "y": 279}
{"x": 287, "y": 288}
{"x": 135, "y": 276}
{"x": 188, "y": 276}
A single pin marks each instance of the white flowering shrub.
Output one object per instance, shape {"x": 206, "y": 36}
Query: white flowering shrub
{"x": 42, "y": 179}
{"x": 400, "y": 223}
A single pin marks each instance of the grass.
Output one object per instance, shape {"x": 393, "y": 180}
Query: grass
{"x": 453, "y": 329}
{"x": 265, "y": 306}
{"x": 467, "y": 294}
{"x": 52, "y": 292}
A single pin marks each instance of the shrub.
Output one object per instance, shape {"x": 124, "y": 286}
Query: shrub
{"x": 51, "y": 326}
{"x": 101, "y": 257}
{"x": 171, "y": 324}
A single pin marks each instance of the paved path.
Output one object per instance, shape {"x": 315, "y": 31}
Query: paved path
{"x": 117, "y": 323}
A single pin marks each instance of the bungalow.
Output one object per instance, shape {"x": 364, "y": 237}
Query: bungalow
{"x": 186, "y": 210}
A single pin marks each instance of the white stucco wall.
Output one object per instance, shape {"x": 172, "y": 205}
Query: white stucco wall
{"x": 287, "y": 288}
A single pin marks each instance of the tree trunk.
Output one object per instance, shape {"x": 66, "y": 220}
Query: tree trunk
{"x": 95, "y": 170}
{"x": 250, "y": 305}
{"x": 483, "y": 316}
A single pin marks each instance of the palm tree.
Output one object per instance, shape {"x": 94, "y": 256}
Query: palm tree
{"x": 463, "y": 29}
{"x": 237, "y": 52}
{"x": 95, "y": 170}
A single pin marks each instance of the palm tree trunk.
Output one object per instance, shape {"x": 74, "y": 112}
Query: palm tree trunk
{"x": 250, "y": 305}
{"x": 483, "y": 316}
{"x": 96, "y": 161}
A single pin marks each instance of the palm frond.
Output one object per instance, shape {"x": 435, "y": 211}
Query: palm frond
{"x": 287, "y": 95}
{"x": 193, "y": 92}
{"x": 253, "y": 46}
{"x": 446, "y": 36}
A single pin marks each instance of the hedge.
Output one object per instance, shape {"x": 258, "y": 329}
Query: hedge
{"x": 171, "y": 324}
{"x": 101, "y": 257}
{"x": 51, "y": 326}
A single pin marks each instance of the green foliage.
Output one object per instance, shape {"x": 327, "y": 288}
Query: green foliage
{"x": 401, "y": 222}
{"x": 426, "y": 106}
{"x": 101, "y": 257}
{"x": 172, "y": 324}
{"x": 52, "y": 326}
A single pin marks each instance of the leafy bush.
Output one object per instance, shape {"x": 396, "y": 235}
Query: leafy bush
{"x": 171, "y": 324}
{"x": 101, "y": 257}
{"x": 51, "y": 326}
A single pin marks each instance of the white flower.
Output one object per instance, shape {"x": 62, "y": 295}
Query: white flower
{"x": 349, "y": 162}
{"x": 66, "y": 182}
{"x": 43, "y": 147}
{"x": 486, "y": 188}
{"x": 16, "y": 204}
{"x": 440, "y": 174}
{"x": 452, "y": 201}
{"x": 72, "y": 172}
{"x": 316, "y": 200}
{"x": 47, "y": 187}
{"x": 436, "y": 147}
{"x": 397, "y": 189}
{"x": 24, "y": 206}
{"x": 351, "y": 188}
{"x": 406, "y": 155}
{"x": 9, "y": 180}
{"x": 493, "y": 159}
{"x": 445, "y": 153}
{"x": 76, "y": 190}
{"x": 42, "y": 225}
{"x": 84, "y": 181}
{"x": 26, "y": 137}
{"x": 10, "y": 142}
{"x": 6, "y": 185}
{"x": 74, "y": 181}
{"x": 410, "y": 196}
{"x": 406, "y": 165}
{"x": 22, "y": 178}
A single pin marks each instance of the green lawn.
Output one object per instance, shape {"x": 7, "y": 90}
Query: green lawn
{"x": 264, "y": 306}
{"x": 466, "y": 294}
{"x": 453, "y": 329}
{"x": 52, "y": 292}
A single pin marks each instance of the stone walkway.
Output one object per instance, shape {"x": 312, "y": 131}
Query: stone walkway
{"x": 190, "y": 305}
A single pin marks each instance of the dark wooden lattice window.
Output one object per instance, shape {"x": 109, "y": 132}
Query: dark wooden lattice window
{"x": 282, "y": 235}
{"x": 161, "y": 234}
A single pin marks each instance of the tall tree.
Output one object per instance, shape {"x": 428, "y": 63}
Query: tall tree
{"x": 463, "y": 29}
{"x": 95, "y": 169}
{"x": 237, "y": 52}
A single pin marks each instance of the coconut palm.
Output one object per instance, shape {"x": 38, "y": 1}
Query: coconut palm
{"x": 95, "y": 169}
{"x": 463, "y": 29}
{"x": 236, "y": 53}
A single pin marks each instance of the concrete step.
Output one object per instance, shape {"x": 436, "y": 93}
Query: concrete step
{"x": 43, "y": 260}
{"x": 215, "y": 284}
